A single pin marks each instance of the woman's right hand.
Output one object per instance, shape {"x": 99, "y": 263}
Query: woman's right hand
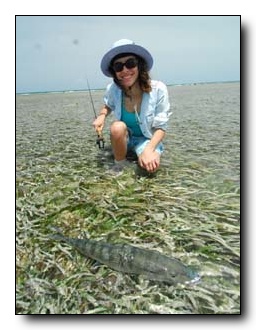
{"x": 99, "y": 122}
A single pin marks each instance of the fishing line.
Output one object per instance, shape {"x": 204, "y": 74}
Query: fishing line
{"x": 91, "y": 99}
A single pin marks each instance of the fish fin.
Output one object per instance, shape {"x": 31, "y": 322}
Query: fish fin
{"x": 96, "y": 264}
{"x": 154, "y": 269}
{"x": 111, "y": 237}
{"x": 84, "y": 235}
{"x": 57, "y": 236}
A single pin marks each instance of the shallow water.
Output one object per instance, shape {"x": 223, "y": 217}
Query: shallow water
{"x": 189, "y": 210}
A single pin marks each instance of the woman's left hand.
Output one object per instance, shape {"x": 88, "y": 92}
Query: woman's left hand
{"x": 150, "y": 160}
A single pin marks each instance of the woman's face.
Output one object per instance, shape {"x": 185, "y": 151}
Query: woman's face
{"x": 127, "y": 76}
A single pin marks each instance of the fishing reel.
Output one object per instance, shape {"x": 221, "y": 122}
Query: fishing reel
{"x": 100, "y": 141}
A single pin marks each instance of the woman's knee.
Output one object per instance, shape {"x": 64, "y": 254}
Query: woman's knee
{"x": 118, "y": 129}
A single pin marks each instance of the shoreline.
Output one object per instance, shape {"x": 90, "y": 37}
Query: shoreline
{"x": 102, "y": 89}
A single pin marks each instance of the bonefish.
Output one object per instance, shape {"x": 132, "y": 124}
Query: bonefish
{"x": 127, "y": 258}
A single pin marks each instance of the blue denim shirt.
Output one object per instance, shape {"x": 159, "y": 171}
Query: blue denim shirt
{"x": 155, "y": 106}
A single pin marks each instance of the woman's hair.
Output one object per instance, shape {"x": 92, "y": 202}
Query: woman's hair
{"x": 143, "y": 78}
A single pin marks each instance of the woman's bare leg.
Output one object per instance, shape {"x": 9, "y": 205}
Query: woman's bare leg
{"x": 118, "y": 135}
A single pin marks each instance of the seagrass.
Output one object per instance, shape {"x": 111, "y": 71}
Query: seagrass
{"x": 189, "y": 210}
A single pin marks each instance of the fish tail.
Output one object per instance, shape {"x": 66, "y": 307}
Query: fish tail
{"x": 58, "y": 236}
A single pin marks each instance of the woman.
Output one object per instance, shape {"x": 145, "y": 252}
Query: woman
{"x": 141, "y": 106}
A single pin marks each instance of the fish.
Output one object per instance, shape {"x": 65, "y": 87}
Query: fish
{"x": 126, "y": 258}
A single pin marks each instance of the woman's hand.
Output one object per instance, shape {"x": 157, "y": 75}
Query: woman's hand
{"x": 149, "y": 159}
{"x": 99, "y": 122}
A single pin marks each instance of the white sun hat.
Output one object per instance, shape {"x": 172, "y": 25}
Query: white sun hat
{"x": 124, "y": 46}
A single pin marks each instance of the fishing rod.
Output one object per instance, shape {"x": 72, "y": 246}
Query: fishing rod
{"x": 100, "y": 140}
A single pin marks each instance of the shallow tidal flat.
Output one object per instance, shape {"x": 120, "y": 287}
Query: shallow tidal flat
{"x": 189, "y": 210}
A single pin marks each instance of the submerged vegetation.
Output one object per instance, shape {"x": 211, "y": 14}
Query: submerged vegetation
{"x": 189, "y": 210}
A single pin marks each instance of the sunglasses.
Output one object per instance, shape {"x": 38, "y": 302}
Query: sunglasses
{"x": 129, "y": 64}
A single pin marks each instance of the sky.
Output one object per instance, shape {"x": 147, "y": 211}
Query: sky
{"x": 61, "y": 52}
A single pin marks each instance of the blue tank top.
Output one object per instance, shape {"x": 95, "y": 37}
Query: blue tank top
{"x": 131, "y": 121}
